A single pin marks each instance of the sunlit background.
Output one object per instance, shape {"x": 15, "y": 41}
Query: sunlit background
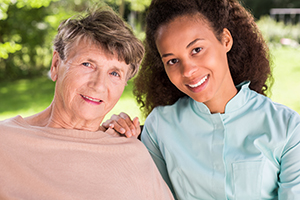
{"x": 27, "y": 28}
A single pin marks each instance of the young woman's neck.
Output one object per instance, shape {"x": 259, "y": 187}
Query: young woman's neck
{"x": 219, "y": 102}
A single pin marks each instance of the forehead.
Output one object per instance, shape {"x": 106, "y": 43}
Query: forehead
{"x": 182, "y": 30}
{"x": 85, "y": 49}
{"x": 82, "y": 43}
{"x": 193, "y": 21}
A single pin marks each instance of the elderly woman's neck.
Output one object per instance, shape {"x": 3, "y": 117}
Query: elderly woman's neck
{"x": 39, "y": 119}
{"x": 51, "y": 118}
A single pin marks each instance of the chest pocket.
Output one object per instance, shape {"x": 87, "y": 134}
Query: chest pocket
{"x": 247, "y": 179}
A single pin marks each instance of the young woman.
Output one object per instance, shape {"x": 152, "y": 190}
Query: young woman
{"x": 212, "y": 132}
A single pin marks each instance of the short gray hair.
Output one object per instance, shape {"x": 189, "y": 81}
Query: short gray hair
{"x": 104, "y": 27}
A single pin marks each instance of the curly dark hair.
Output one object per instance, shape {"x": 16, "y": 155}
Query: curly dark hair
{"x": 248, "y": 58}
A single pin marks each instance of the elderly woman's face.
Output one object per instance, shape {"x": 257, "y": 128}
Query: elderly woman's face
{"x": 89, "y": 82}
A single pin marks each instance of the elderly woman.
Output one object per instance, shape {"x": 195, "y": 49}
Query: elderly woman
{"x": 62, "y": 152}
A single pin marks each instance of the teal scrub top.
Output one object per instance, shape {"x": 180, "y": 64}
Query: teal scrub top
{"x": 252, "y": 151}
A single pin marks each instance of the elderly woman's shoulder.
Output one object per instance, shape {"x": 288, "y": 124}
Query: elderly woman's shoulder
{"x": 115, "y": 137}
{"x": 13, "y": 121}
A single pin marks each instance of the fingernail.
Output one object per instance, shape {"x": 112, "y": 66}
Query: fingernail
{"x": 122, "y": 130}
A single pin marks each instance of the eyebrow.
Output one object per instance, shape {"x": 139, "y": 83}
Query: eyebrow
{"x": 193, "y": 42}
{"x": 190, "y": 44}
{"x": 91, "y": 60}
{"x": 166, "y": 55}
{"x": 119, "y": 69}
{"x": 115, "y": 67}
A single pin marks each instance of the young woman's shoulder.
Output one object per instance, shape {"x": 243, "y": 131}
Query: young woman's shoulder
{"x": 276, "y": 110}
{"x": 181, "y": 104}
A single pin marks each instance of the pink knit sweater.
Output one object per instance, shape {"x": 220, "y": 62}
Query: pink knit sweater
{"x": 40, "y": 163}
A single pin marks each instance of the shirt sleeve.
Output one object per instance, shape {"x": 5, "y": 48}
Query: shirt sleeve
{"x": 289, "y": 177}
{"x": 148, "y": 137}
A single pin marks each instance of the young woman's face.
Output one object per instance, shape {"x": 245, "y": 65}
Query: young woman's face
{"x": 196, "y": 61}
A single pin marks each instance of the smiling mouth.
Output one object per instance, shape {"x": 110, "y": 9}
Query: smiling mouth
{"x": 199, "y": 83}
{"x": 91, "y": 99}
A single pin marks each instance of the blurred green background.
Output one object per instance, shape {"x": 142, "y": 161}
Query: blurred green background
{"x": 27, "y": 29}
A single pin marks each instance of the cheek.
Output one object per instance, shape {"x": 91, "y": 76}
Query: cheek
{"x": 70, "y": 86}
{"x": 210, "y": 59}
{"x": 120, "y": 91}
{"x": 221, "y": 56}
{"x": 175, "y": 77}
{"x": 116, "y": 91}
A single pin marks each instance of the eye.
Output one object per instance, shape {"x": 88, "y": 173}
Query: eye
{"x": 196, "y": 50}
{"x": 115, "y": 74}
{"x": 86, "y": 64}
{"x": 172, "y": 61}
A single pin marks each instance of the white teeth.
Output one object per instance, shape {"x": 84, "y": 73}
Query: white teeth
{"x": 199, "y": 83}
{"x": 91, "y": 99}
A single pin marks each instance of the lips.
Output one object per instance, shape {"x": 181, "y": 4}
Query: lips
{"x": 91, "y": 100}
{"x": 199, "y": 85}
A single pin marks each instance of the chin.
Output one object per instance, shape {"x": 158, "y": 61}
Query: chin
{"x": 201, "y": 99}
{"x": 91, "y": 117}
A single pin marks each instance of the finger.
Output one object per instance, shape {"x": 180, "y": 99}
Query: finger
{"x": 117, "y": 127}
{"x": 126, "y": 118}
{"x": 134, "y": 125}
{"x": 107, "y": 123}
{"x": 113, "y": 123}
{"x": 137, "y": 129}
{"x": 121, "y": 123}
{"x": 127, "y": 123}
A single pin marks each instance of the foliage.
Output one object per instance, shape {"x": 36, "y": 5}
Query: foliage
{"x": 262, "y": 7}
{"x": 28, "y": 36}
{"x": 274, "y": 32}
{"x": 135, "y": 5}
{"x": 8, "y": 47}
{"x": 25, "y": 39}
{"x": 4, "y": 5}
{"x": 27, "y": 29}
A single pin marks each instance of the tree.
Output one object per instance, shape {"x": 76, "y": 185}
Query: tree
{"x": 28, "y": 27}
{"x": 263, "y": 7}
{"x": 21, "y": 35}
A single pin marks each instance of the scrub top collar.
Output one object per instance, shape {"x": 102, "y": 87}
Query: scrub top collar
{"x": 239, "y": 100}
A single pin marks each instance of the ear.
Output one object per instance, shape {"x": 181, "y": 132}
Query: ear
{"x": 55, "y": 65}
{"x": 227, "y": 39}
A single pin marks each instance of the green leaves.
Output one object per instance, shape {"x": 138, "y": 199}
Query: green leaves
{"x": 4, "y": 4}
{"x": 3, "y": 9}
{"x": 8, "y": 47}
{"x": 139, "y": 5}
{"x": 28, "y": 27}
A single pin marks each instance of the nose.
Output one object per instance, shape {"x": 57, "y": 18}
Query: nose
{"x": 98, "y": 81}
{"x": 188, "y": 68}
